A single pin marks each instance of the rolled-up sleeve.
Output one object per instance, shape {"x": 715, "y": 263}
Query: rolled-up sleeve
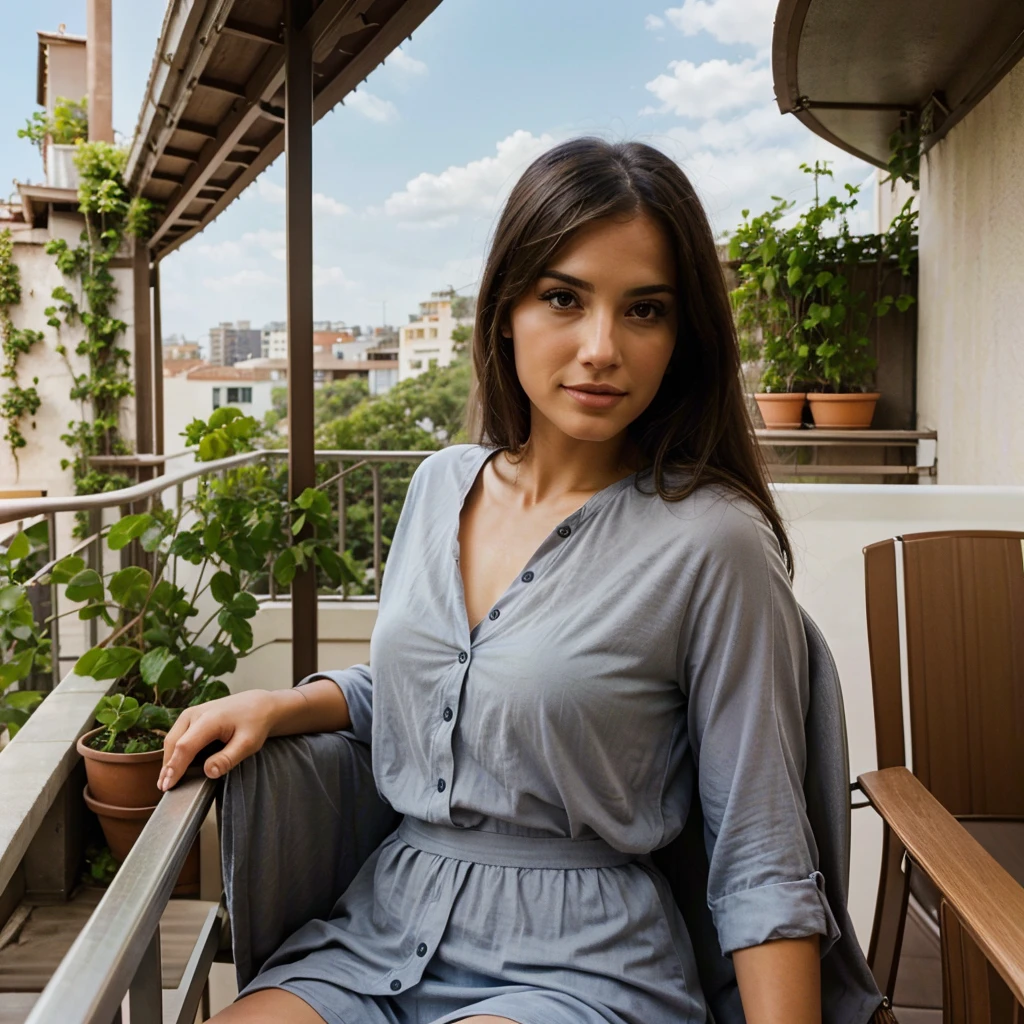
{"x": 356, "y": 684}
{"x": 743, "y": 662}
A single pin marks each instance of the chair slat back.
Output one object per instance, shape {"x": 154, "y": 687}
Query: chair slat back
{"x": 964, "y": 611}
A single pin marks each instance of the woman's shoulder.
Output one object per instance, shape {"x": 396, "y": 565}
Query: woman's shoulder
{"x": 715, "y": 525}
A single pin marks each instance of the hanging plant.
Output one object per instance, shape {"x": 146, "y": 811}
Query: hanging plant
{"x": 17, "y": 402}
{"x": 67, "y": 125}
{"x": 111, "y": 214}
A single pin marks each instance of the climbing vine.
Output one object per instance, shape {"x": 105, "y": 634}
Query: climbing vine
{"x": 111, "y": 214}
{"x": 17, "y": 402}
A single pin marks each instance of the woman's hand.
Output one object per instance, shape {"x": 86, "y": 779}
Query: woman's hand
{"x": 242, "y": 722}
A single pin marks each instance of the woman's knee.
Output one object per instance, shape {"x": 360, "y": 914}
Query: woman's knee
{"x": 270, "y": 1006}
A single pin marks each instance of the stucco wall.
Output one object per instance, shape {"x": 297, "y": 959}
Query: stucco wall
{"x": 971, "y": 316}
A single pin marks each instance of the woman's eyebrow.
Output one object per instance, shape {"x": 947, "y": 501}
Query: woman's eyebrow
{"x": 647, "y": 289}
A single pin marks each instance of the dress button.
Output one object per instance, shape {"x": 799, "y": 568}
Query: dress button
{"x": 463, "y": 657}
{"x": 421, "y": 949}
{"x": 395, "y": 985}
{"x": 440, "y": 785}
{"x": 564, "y": 531}
{"x": 447, "y": 714}
{"x": 527, "y": 576}
{"x": 494, "y": 614}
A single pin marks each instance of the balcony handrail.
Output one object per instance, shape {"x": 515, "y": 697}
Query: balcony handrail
{"x": 117, "y": 951}
{"x": 14, "y": 509}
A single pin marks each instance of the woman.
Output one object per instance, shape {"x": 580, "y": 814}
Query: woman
{"x": 542, "y": 736}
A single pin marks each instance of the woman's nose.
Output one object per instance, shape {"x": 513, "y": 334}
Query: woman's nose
{"x": 599, "y": 344}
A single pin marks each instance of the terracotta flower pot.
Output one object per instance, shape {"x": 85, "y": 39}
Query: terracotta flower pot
{"x": 781, "y": 411}
{"x": 122, "y": 780}
{"x": 843, "y": 412}
{"x": 123, "y": 825}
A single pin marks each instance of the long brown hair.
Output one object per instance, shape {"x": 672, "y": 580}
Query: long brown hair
{"x": 698, "y": 421}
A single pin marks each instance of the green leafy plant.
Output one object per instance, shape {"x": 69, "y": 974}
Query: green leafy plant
{"x": 67, "y": 125}
{"x": 796, "y": 303}
{"x": 100, "y": 865}
{"x": 17, "y": 402}
{"x": 163, "y": 655}
{"x": 111, "y": 215}
{"x": 24, "y": 644}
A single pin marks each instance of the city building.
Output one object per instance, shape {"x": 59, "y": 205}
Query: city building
{"x": 426, "y": 340}
{"x": 230, "y": 343}
{"x": 177, "y": 347}
{"x": 380, "y": 373}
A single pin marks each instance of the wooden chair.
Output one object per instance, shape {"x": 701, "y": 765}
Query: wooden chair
{"x": 963, "y": 622}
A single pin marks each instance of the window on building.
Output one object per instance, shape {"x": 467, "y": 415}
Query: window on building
{"x": 415, "y": 364}
{"x": 216, "y": 398}
{"x": 433, "y": 332}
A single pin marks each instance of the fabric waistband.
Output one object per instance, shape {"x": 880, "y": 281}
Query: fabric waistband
{"x": 510, "y": 851}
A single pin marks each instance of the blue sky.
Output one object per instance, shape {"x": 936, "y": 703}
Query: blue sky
{"x": 411, "y": 171}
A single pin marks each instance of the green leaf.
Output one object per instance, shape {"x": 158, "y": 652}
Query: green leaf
{"x": 129, "y": 587}
{"x": 243, "y": 604}
{"x": 218, "y": 659}
{"x": 213, "y": 446}
{"x": 151, "y": 538}
{"x": 25, "y": 700}
{"x": 223, "y": 586}
{"x": 160, "y": 669}
{"x": 67, "y": 568}
{"x": 125, "y": 530}
{"x": 212, "y": 535}
{"x": 904, "y": 302}
{"x": 793, "y": 275}
{"x": 85, "y": 586}
{"x": 284, "y": 567}
{"x": 10, "y": 597}
{"x": 768, "y": 282}
{"x": 211, "y": 689}
{"x": 155, "y": 716}
{"x": 19, "y": 547}
{"x": 17, "y": 669}
{"x": 103, "y": 663}
{"x": 237, "y": 628}
{"x": 118, "y": 713}
{"x": 225, "y": 414}
{"x": 299, "y": 523}
{"x": 165, "y": 594}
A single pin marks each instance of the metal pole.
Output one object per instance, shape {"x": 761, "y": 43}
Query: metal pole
{"x": 158, "y": 369}
{"x": 298, "y": 150}
{"x": 142, "y": 356}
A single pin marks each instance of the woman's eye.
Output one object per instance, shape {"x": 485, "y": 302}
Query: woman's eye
{"x": 648, "y": 310}
{"x": 554, "y": 299}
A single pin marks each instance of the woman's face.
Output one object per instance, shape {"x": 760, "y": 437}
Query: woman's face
{"x": 602, "y": 313}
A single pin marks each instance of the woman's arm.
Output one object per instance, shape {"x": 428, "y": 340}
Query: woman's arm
{"x": 780, "y": 981}
{"x": 244, "y": 721}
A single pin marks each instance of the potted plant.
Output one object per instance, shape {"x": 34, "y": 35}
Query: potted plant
{"x": 161, "y": 654}
{"x": 796, "y": 296}
{"x": 64, "y": 128}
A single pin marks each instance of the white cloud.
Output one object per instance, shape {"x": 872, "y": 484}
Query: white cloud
{"x": 704, "y": 90}
{"x": 370, "y": 106}
{"x": 728, "y": 21}
{"x": 652, "y": 23}
{"x": 246, "y": 278}
{"x": 325, "y": 204}
{"x": 323, "y": 276}
{"x": 403, "y": 62}
{"x": 259, "y": 241}
{"x": 433, "y": 200}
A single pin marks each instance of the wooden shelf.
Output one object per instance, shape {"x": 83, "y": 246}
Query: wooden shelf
{"x": 814, "y": 436}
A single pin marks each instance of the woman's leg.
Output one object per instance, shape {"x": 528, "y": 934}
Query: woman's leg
{"x": 271, "y": 1006}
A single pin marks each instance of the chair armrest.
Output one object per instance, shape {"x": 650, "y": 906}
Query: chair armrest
{"x": 984, "y": 896}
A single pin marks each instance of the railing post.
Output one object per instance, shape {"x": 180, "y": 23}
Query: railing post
{"x": 145, "y": 996}
{"x": 377, "y": 525}
{"x": 298, "y": 151}
{"x": 51, "y": 554}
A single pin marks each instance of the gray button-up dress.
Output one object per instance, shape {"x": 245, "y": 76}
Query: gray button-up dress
{"x": 539, "y": 759}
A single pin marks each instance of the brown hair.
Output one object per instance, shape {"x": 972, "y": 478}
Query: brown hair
{"x": 698, "y": 421}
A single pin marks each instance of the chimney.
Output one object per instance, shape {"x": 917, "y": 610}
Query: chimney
{"x": 99, "y": 83}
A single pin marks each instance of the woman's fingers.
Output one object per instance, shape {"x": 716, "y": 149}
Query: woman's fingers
{"x": 198, "y": 731}
{"x": 238, "y": 748}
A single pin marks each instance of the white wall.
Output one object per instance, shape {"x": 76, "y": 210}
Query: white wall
{"x": 971, "y": 313}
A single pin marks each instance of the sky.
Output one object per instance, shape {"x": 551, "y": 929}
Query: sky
{"x": 411, "y": 171}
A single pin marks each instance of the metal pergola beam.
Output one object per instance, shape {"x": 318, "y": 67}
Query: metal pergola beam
{"x": 298, "y": 178}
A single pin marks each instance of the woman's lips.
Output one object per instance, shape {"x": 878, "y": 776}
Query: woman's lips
{"x": 592, "y": 400}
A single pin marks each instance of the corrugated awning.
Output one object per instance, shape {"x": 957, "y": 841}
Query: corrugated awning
{"x": 213, "y": 114}
{"x": 849, "y": 71}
